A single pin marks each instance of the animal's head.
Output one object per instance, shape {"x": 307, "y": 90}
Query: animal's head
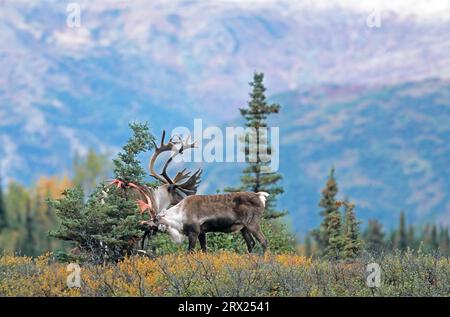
{"x": 172, "y": 191}
{"x": 153, "y": 226}
{"x": 170, "y": 194}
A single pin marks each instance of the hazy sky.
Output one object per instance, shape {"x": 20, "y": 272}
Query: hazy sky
{"x": 422, "y": 8}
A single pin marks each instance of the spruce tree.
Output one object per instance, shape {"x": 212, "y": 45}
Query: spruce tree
{"x": 434, "y": 238}
{"x": 127, "y": 166}
{"x": 401, "y": 241}
{"x": 392, "y": 240}
{"x": 29, "y": 242}
{"x": 411, "y": 237}
{"x": 257, "y": 176}
{"x": 336, "y": 241}
{"x": 105, "y": 228}
{"x": 444, "y": 241}
{"x": 426, "y": 238}
{"x": 49, "y": 218}
{"x": 352, "y": 239}
{"x": 3, "y": 220}
{"x": 330, "y": 214}
{"x": 374, "y": 236}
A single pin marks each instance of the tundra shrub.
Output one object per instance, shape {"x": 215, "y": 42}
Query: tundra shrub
{"x": 229, "y": 274}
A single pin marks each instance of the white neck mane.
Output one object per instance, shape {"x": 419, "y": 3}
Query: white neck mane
{"x": 161, "y": 199}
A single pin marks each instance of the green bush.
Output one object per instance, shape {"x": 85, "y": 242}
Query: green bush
{"x": 107, "y": 226}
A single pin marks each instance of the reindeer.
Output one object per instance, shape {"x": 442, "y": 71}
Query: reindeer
{"x": 172, "y": 191}
{"x": 196, "y": 215}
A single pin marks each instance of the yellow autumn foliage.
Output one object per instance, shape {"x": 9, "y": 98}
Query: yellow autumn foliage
{"x": 222, "y": 274}
{"x": 52, "y": 187}
{"x": 134, "y": 276}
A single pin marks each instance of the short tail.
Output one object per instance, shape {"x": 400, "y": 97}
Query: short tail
{"x": 262, "y": 197}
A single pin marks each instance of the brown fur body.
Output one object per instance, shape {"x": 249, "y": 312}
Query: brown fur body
{"x": 197, "y": 215}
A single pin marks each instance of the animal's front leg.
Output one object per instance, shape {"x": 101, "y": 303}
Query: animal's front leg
{"x": 146, "y": 233}
{"x": 192, "y": 240}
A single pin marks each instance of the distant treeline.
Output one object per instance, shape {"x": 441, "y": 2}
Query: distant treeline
{"x": 26, "y": 217}
{"x": 25, "y": 214}
{"x": 428, "y": 237}
{"x": 338, "y": 236}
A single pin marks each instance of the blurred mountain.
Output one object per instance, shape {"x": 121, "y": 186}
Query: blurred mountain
{"x": 355, "y": 96}
{"x": 389, "y": 145}
{"x": 98, "y": 123}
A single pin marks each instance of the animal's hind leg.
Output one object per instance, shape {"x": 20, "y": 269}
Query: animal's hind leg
{"x": 202, "y": 239}
{"x": 248, "y": 239}
{"x": 255, "y": 230}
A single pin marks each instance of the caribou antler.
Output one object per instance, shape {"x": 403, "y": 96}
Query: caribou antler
{"x": 164, "y": 147}
{"x": 189, "y": 187}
